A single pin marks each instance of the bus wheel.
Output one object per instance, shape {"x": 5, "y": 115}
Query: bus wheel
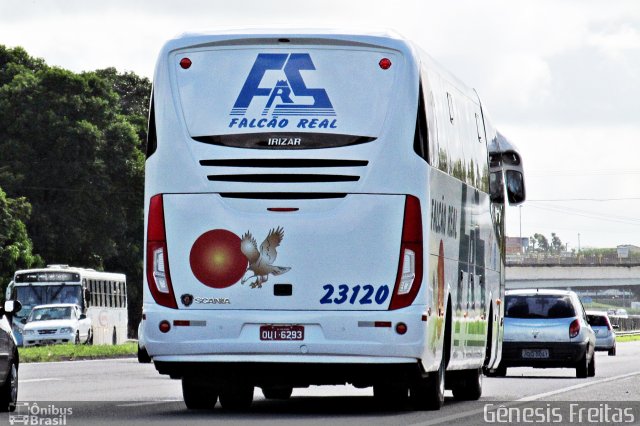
{"x": 89, "y": 338}
{"x": 9, "y": 390}
{"x": 428, "y": 392}
{"x": 198, "y": 396}
{"x": 391, "y": 395}
{"x": 501, "y": 371}
{"x": 277, "y": 392}
{"x": 236, "y": 396}
{"x": 143, "y": 355}
{"x": 468, "y": 387}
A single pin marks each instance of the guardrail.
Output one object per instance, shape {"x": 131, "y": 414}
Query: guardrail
{"x": 628, "y": 333}
{"x": 539, "y": 259}
{"x": 626, "y": 324}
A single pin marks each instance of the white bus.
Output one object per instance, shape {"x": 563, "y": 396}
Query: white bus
{"x": 318, "y": 212}
{"x": 102, "y": 296}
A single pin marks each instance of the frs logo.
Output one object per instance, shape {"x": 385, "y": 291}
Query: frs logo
{"x": 279, "y": 98}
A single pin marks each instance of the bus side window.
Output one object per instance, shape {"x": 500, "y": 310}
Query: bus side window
{"x": 124, "y": 295}
{"x": 420, "y": 141}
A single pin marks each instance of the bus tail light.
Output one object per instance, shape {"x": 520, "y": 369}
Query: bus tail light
{"x": 158, "y": 276}
{"x": 574, "y": 328}
{"x": 409, "y": 277}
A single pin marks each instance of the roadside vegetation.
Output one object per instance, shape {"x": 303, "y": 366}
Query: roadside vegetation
{"x": 631, "y": 338}
{"x": 71, "y": 352}
{"x": 71, "y": 169}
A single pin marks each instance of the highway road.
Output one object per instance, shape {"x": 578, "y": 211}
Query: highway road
{"x": 122, "y": 390}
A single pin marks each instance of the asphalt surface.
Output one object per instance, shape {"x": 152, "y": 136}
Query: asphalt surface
{"x": 117, "y": 391}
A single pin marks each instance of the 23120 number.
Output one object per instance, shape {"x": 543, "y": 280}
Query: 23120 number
{"x": 361, "y": 295}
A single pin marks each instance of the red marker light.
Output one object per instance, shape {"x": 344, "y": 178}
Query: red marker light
{"x": 185, "y": 63}
{"x": 165, "y": 326}
{"x": 385, "y": 63}
{"x": 401, "y": 328}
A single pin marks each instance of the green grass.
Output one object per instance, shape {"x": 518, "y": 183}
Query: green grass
{"x": 71, "y": 352}
{"x": 632, "y": 338}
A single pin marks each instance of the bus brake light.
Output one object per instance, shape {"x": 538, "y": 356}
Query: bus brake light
{"x": 158, "y": 276}
{"x": 409, "y": 277}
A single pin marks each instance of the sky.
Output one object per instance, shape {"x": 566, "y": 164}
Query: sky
{"x": 560, "y": 79}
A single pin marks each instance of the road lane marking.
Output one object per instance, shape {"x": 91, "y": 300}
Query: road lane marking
{"x": 579, "y": 386}
{"x": 142, "y": 404}
{"x": 39, "y": 380}
{"x": 539, "y": 396}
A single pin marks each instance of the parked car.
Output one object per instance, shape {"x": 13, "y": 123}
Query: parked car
{"x": 8, "y": 364}
{"x": 605, "y": 334}
{"x": 56, "y": 323}
{"x": 547, "y": 329}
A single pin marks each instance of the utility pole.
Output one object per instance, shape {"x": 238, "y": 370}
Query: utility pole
{"x": 521, "y": 246}
{"x": 578, "y": 243}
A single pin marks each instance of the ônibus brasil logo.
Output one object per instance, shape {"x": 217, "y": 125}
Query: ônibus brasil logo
{"x": 289, "y": 96}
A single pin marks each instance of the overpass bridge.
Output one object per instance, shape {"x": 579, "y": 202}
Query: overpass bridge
{"x": 575, "y": 277}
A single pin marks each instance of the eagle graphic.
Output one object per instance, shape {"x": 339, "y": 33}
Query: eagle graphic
{"x": 261, "y": 262}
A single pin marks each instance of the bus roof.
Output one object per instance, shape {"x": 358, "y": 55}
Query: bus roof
{"x": 83, "y": 272}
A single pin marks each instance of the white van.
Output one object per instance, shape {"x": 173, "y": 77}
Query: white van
{"x": 318, "y": 212}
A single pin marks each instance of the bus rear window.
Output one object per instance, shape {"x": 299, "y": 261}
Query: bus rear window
{"x": 286, "y": 98}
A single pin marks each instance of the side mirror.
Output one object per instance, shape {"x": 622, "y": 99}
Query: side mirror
{"x": 12, "y": 306}
{"x": 83, "y": 316}
{"x": 616, "y": 327}
{"x": 515, "y": 187}
{"x": 23, "y": 320}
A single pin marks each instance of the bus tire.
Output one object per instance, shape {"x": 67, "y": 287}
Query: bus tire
{"x": 143, "y": 355}
{"x": 236, "y": 396}
{"x": 9, "y": 390}
{"x": 500, "y": 371}
{"x": 89, "y": 338}
{"x": 198, "y": 396}
{"x": 277, "y": 392}
{"x": 391, "y": 395}
{"x": 468, "y": 386}
{"x": 428, "y": 393}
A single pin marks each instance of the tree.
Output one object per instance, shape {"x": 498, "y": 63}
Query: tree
{"x": 556, "y": 244}
{"x": 16, "y": 249}
{"x": 543, "y": 243}
{"x": 72, "y": 145}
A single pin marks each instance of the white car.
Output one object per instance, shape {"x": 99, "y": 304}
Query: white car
{"x": 547, "y": 329}
{"x": 605, "y": 334}
{"x": 58, "y": 323}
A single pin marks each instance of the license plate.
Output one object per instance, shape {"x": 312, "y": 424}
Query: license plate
{"x": 535, "y": 353}
{"x": 281, "y": 332}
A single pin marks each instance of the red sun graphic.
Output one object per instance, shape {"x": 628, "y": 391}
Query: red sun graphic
{"x": 216, "y": 259}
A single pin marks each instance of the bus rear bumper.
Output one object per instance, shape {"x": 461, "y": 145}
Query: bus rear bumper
{"x": 294, "y": 373}
{"x": 330, "y": 337}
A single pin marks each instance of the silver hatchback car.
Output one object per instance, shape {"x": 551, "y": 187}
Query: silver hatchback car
{"x": 605, "y": 334}
{"x": 547, "y": 329}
